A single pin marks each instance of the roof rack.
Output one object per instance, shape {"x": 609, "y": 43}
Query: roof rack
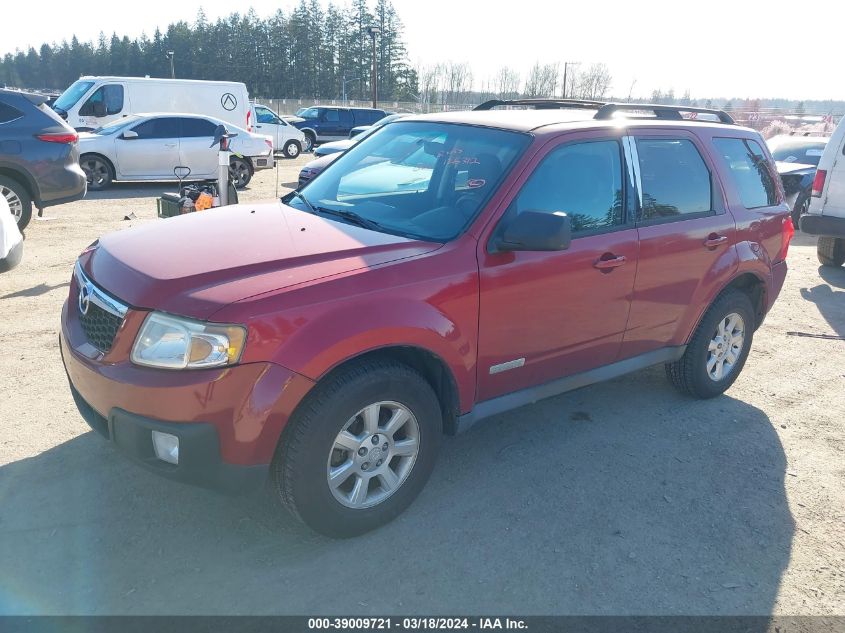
{"x": 669, "y": 112}
{"x": 542, "y": 104}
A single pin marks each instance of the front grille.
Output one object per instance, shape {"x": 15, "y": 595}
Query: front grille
{"x": 100, "y": 314}
{"x": 100, "y": 327}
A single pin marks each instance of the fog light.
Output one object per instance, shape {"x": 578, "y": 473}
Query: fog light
{"x": 166, "y": 447}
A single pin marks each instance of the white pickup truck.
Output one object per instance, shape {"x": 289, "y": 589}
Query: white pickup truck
{"x": 826, "y": 216}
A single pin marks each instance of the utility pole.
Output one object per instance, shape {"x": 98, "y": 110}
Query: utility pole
{"x": 347, "y": 81}
{"x": 170, "y": 55}
{"x": 373, "y": 31}
{"x": 631, "y": 89}
{"x": 566, "y": 66}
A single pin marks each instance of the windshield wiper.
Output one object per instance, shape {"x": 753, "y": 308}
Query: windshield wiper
{"x": 352, "y": 217}
{"x": 298, "y": 194}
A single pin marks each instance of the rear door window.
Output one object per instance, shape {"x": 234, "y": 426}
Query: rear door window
{"x": 749, "y": 170}
{"x": 331, "y": 115}
{"x": 675, "y": 180}
{"x": 163, "y": 127}
{"x": 192, "y": 128}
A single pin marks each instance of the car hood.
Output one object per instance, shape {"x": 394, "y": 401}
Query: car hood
{"x": 335, "y": 146}
{"x": 785, "y": 169}
{"x": 197, "y": 263}
{"x": 319, "y": 164}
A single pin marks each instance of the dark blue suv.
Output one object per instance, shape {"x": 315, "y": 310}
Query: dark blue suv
{"x": 321, "y": 124}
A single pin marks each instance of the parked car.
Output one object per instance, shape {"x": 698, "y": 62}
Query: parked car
{"x": 322, "y": 124}
{"x": 287, "y": 138}
{"x": 314, "y": 168}
{"x": 39, "y": 156}
{"x": 11, "y": 239}
{"x": 345, "y": 328}
{"x": 796, "y": 158}
{"x": 826, "y": 215}
{"x": 354, "y": 137}
{"x": 94, "y": 102}
{"x": 150, "y": 146}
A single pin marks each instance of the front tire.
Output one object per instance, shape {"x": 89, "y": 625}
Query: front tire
{"x": 291, "y": 149}
{"x": 20, "y": 202}
{"x": 359, "y": 449}
{"x": 240, "y": 171}
{"x": 831, "y": 251}
{"x": 310, "y": 141}
{"x": 98, "y": 172}
{"x": 718, "y": 349}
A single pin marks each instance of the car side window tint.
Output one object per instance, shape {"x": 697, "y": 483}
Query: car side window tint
{"x": 9, "y": 113}
{"x": 584, "y": 180}
{"x": 265, "y": 115}
{"x": 749, "y": 171}
{"x": 331, "y": 116}
{"x": 192, "y": 128}
{"x": 164, "y": 127}
{"x": 675, "y": 179}
{"x": 110, "y": 95}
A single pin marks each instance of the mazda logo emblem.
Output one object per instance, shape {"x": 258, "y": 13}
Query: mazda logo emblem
{"x": 85, "y": 298}
{"x": 228, "y": 101}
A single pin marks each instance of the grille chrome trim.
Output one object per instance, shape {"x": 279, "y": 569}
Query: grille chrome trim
{"x": 98, "y": 297}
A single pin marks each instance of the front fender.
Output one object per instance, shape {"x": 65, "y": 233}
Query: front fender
{"x": 337, "y": 336}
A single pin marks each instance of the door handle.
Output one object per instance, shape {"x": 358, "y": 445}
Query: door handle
{"x": 609, "y": 264}
{"x": 170, "y": 144}
{"x": 713, "y": 240}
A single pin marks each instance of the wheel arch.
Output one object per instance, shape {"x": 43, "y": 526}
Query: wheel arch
{"x": 107, "y": 160}
{"x": 752, "y": 285}
{"x": 430, "y": 365}
{"x": 25, "y": 180}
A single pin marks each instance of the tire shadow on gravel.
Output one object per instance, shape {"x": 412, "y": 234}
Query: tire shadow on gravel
{"x": 621, "y": 498}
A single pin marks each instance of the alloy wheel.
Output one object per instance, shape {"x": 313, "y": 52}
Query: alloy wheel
{"x": 725, "y": 346}
{"x": 96, "y": 172}
{"x": 373, "y": 454}
{"x": 15, "y": 203}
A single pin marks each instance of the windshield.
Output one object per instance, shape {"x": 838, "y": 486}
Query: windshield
{"x": 792, "y": 150}
{"x": 420, "y": 179}
{"x": 116, "y": 126}
{"x": 74, "y": 93}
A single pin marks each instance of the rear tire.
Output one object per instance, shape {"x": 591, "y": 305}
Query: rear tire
{"x": 801, "y": 207}
{"x": 20, "y": 202}
{"x": 712, "y": 360}
{"x": 291, "y": 149}
{"x": 98, "y": 172}
{"x": 310, "y": 141}
{"x": 240, "y": 171}
{"x": 831, "y": 251}
{"x": 320, "y": 471}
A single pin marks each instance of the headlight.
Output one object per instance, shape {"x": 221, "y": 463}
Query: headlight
{"x": 171, "y": 342}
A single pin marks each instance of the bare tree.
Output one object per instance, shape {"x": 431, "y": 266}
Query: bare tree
{"x": 542, "y": 80}
{"x": 457, "y": 82}
{"x": 506, "y": 83}
{"x": 592, "y": 83}
{"x": 429, "y": 78}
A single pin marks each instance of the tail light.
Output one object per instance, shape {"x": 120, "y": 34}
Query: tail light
{"x": 248, "y": 123}
{"x": 787, "y": 232}
{"x": 58, "y": 137}
{"x": 818, "y": 182}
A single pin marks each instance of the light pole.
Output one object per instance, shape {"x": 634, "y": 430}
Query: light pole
{"x": 347, "y": 81}
{"x": 170, "y": 55}
{"x": 373, "y": 31}
{"x": 566, "y": 66}
{"x": 633, "y": 83}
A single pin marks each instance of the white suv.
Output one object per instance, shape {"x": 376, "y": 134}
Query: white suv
{"x": 826, "y": 216}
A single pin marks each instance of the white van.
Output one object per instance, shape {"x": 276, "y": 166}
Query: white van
{"x": 826, "y": 216}
{"x": 287, "y": 139}
{"x": 91, "y": 102}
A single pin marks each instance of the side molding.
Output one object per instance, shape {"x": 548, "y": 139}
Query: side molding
{"x": 517, "y": 399}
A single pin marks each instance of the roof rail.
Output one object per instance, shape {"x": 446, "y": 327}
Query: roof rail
{"x": 670, "y": 112}
{"x": 542, "y": 104}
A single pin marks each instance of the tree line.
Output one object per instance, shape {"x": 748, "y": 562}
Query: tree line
{"x": 307, "y": 53}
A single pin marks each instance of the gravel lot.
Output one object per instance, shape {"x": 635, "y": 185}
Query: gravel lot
{"x": 621, "y": 498}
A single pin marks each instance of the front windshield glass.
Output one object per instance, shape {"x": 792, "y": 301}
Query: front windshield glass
{"x": 420, "y": 179}
{"x": 115, "y": 126}
{"x": 73, "y": 94}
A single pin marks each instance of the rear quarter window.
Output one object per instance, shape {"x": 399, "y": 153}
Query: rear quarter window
{"x": 9, "y": 113}
{"x": 749, "y": 170}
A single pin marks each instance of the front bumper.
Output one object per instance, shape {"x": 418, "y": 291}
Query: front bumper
{"x": 825, "y": 225}
{"x": 228, "y": 420}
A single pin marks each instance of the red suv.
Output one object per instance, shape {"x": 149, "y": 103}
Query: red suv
{"x": 445, "y": 269}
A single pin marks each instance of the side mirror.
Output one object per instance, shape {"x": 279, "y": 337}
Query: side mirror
{"x": 100, "y": 109}
{"x": 129, "y": 135}
{"x": 537, "y": 231}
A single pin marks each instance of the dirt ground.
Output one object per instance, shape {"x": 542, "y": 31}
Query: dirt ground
{"x": 621, "y": 498}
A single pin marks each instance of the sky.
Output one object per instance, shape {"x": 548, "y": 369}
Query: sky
{"x": 716, "y": 48}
